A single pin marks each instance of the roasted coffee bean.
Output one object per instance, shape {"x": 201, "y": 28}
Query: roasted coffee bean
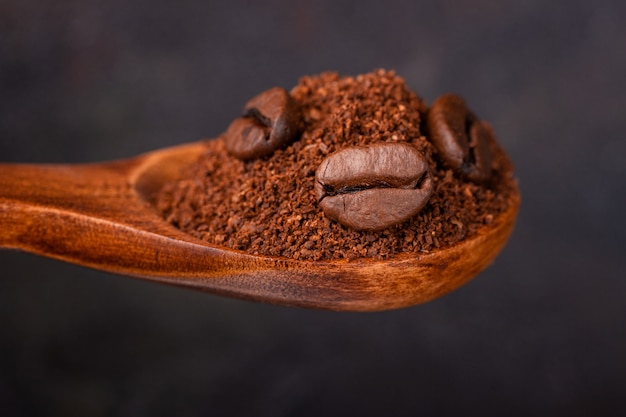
{"x": 373, "y": 187}
{"x": 461, "y": 139}
{"x": 270, "y": 121}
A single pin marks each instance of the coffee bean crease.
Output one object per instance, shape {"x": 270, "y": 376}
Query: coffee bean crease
{"x": 373, "y": 187}
{"x": 460, "y": 137}
{"x": 270, "y": 121}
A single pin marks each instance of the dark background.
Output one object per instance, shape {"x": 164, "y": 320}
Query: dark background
{"x": 541, "y": 332}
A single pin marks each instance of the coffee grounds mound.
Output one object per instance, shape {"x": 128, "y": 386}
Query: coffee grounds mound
{"x": 268, "y": 206}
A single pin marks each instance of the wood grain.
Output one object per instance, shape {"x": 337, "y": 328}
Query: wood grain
{"x": 101, "y": 216}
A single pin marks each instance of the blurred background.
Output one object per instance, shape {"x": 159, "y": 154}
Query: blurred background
{"x": 541, "y": 332}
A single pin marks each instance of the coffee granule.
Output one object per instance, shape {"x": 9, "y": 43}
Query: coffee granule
{"x": 268, "y": 206}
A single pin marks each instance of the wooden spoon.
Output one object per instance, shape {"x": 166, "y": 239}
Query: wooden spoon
{"x": 101, "y": 216}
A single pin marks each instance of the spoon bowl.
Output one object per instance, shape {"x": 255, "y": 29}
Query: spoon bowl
{"x": 102, "y": 216}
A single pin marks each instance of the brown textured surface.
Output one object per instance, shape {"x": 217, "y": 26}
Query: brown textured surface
{"x": 99, "y": 215}
{"x": 268, "y": 206}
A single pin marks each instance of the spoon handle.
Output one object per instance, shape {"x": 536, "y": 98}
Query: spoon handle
{"x": 73, "y": 188}
{"x": 46, "y": 208}
{"x": 91, "y": 215}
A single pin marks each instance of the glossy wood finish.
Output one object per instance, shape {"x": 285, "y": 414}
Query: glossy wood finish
{"x": 101, "y": 216}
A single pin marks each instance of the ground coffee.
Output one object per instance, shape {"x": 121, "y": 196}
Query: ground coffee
{"x": 268, "y": 205}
